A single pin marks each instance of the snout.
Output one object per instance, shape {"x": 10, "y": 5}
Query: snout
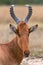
{"x": 26, "y": 53}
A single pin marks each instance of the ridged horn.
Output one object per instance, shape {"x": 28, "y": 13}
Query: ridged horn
{"x": 28, "y": 14}
{"x": 17, "y": 20}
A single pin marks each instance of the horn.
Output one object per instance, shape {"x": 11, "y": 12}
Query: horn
{"x": 13, "y": 14}
{"x": 29, "y": 13}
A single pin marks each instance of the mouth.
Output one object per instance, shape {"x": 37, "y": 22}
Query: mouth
{"x": 26, "y": 55}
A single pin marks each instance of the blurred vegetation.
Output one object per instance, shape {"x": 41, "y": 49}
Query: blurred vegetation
{"x": 8, "y": 2}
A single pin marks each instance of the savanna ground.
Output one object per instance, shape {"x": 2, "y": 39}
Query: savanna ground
{"x": 36, "y": 37}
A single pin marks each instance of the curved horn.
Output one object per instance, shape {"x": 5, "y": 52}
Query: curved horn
{"x": 29, "y": 13}
{"x": 13, "y": 14}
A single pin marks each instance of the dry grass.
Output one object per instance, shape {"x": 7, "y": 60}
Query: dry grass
{"x": 36, "y": 38}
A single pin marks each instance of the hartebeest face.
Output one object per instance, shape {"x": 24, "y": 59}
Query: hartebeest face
{"x": 23, "y": 31}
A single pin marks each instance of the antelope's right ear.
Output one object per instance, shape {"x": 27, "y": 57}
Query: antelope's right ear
{"x": 13, "y": 28}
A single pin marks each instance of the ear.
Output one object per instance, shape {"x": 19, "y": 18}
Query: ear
{"x": 13, "y": 28}
{"x": 33, "y": 28}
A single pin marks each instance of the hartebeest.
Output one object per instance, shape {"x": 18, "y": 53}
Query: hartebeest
{"x": 12, "y": 53}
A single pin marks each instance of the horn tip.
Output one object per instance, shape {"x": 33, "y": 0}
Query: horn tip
{"x": 11, "y": 6}
{"x": 27, "y": 5}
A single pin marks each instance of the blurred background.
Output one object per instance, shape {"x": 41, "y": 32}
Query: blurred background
{"x": 36, "y": 37}
{"x": 21, "y": 2}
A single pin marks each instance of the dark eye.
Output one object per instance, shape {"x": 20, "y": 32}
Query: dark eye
{"x": 18, "y": 33}
{"x": 28, "y": 32}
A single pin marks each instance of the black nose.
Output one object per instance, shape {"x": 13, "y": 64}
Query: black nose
{"x": 26, "y": 53}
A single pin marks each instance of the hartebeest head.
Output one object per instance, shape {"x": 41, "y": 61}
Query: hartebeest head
{"x": 22, "y": 30}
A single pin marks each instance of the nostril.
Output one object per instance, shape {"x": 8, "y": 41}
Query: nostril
{"x": 26, "y": 54}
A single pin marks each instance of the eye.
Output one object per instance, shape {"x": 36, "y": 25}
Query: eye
{"x": 18, "y": 33}
{"x": 28, "y": 32}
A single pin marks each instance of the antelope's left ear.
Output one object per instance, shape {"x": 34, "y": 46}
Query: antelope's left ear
{"x": 33, "y": 28}
{"x": 13, "y": 28}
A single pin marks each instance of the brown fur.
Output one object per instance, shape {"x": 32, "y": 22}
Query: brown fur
{"x": 12, "y": 53}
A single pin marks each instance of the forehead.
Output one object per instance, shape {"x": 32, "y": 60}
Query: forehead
{"x": 22, "y": 25}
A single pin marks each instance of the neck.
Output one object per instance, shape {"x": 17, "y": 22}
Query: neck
{"x": 16, "y": 51}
